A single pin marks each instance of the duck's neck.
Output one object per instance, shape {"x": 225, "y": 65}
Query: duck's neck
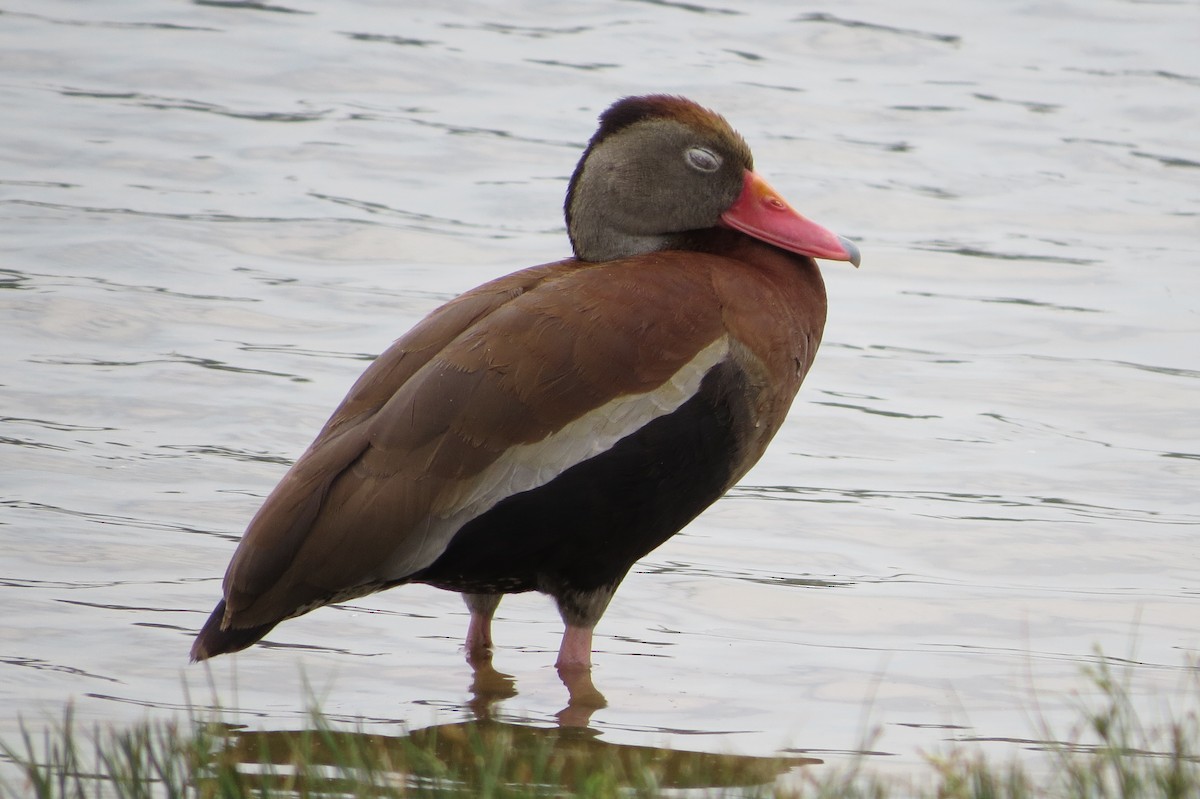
{"x": 600, "y": 224}
{"x": 596, "y": 243}
{"x": 597, "y": 230}
{"x": 599, "y": 244}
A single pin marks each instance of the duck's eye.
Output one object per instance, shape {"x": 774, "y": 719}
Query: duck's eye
{"x": 703, "y": 159}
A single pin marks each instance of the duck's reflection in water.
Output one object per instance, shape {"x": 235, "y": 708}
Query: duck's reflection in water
{"x": 482, "y": 753}
{"x": 490, "y": 687}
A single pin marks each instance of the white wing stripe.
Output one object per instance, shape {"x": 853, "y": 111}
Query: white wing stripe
{"x": 529, "y": 466}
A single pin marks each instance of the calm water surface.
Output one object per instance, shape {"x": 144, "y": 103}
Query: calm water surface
{"x": 214, "y": 214}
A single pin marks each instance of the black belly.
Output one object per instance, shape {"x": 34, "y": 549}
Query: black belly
{"x": 585, "y": 529}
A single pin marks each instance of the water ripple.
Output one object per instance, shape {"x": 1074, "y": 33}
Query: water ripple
{"x": 211, "y": 450}
{"x": 1060, "y": 505}
{"x": 941, "y": 245}
{"x": 529, "y": 31}
{"x": 52, "y": 425}
{"x": 427, "y": 221}
{"x": 12, "y": 441}
{"x": 302, "y": 352}
{"x": 1036, "y": 107}
{"x": 184, "y": 217}
{"x": 191, "y": 360}
{"x": 876, "y": 411}
{"x": 48, "y": 280}
{"x": 185, "y": 104}
{"x": 695, "y": 8}
{"x": 250, "y": 5}
{"x": 587, "y": 67}
{"x": 1137, "y": 73}
{"x": 1005, "y": 301}
{"x": 824, "y": 17}
{"x": 43, "y": 665}
{"x": 1167, "y": 160}
{"x": 403, "y": 41}
{"x": 91, "y": 23}
{"x": 103, "y": 519}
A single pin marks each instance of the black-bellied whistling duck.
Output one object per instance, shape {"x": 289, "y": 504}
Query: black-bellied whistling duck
{"x": 545, "y": 430}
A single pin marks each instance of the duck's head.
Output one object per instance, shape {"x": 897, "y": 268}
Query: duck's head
{"x": 661, "y": 168}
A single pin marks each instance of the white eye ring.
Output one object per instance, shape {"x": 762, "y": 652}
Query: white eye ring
{"x": 703, "y": 159}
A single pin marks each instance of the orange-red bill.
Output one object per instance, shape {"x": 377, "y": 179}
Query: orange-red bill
{"x": 760, "y": 212}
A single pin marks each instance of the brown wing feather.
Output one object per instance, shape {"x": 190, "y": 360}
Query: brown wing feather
{"x": 505, "y": 364}
{"x": 278, "y": 531}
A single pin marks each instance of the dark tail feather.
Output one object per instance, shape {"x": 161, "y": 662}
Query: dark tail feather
{"x": 213, "y": 641}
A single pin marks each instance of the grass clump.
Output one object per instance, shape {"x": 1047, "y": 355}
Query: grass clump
{"x": 1111, "y": 755}
{"x": 215, "y": 760}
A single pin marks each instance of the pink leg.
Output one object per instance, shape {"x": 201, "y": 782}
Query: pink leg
{"x": 575, "y": 670}
{"x": 479, "y": 630}
{"x": 575, "y": 653}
